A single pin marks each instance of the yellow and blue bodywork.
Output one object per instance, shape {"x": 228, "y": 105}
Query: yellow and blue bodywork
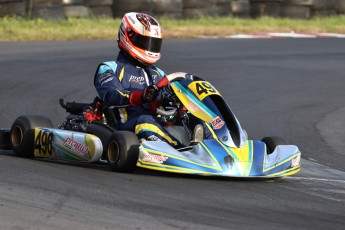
{"x": 228, "y": 153}
{"x": 211, "y": 157}
{"x": 66, "y": 145}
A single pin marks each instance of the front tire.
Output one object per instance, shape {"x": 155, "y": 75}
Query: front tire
{"x": 273, "y": 142}
{"x": 122, "y": 151}
{"x": 22, "y": 134}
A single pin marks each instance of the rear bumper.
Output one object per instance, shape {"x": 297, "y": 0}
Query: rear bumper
{"x": 5, "y": 139}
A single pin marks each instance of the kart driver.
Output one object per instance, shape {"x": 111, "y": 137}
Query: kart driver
{"x": 129, "y": 83}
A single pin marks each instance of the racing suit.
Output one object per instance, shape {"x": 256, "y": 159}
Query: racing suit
{"x": 115, "y": 81}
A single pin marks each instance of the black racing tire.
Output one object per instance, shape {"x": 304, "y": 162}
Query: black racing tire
{"x": 11, "y": 9}
{"x": 168, "y": 15}
{"x": 273, "y": 142}
{"x": 72, "y": 2}
{"x": 98, "y": 2}
{"x": 72, "y": 11}
{"x": 323, "y": 13}
{"x": 46, "y": 11}
{"x": 265, "y": 8}
{"x": 296, "y": 11}
{"x": 10, "y": 1}
{"x": 167, "y": 9}
{"x": 240, "y": 8}
{"x": 322, "y": 5}
{"x": 133, "y": 5}
{"x": 298, "y": 2}
{"x": 121, "y": 7}
{"x": 200, "y": 12}
{"x": 198, "y": 4}
{"x": 101, "y": 11}
{"x": 46, "y": 2}
{"x": 340, "y": 6}
{"x": 103, "y": 132}
{"x": 224, "y": 7}
{"x": 123, "y": 151}
{"x": 166, "y": 6}
{"x": 23, "y": 134}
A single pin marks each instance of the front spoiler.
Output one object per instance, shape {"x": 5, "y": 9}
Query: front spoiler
{"x": 212, "y": 158}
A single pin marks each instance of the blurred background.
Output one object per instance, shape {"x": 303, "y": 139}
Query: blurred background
{"x": 172, "y": 9}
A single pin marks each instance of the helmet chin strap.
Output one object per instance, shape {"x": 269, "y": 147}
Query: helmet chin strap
{"x": 135, "y": 61}
{"x": 143, "y": 64}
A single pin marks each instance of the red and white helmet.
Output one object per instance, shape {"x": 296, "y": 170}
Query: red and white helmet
{"x": 140, "y": 36}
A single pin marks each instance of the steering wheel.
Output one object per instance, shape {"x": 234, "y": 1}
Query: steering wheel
{"x": 170, "y": 78}
{"x": 164, "y": 83}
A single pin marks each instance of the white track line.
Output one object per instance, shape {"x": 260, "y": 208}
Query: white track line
{"x": 315, "y": 179}
{"x": 278, "y": 35}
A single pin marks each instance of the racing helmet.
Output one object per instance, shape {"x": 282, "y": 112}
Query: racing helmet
{"x": 140, "y": 36}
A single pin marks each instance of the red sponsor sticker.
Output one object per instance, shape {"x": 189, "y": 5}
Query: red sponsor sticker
{"x": 75, "y": 146}
{"x": 217, "y": 123}
{"x": 296, "y": 161}
{"x": 192, "y": 108}
{"x": 158, "y": 159}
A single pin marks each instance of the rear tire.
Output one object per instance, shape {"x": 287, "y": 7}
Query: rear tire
{"x": 123, "y": 151}
{"x": 22, "y": 134}
{"x": 273, "y": 142}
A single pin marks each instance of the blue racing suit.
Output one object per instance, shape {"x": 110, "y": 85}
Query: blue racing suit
{"x": 115, "y": 81}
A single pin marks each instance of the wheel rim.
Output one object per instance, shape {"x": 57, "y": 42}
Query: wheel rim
{"x": 113, "y": 152}
{"x": 17, "y": 136}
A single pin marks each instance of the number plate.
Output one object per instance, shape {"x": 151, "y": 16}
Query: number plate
{"x": 202, "y": 89}
{"x": 43, "y": 146}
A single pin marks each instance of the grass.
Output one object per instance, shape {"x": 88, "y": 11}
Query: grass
{"x": 19, "y": 29}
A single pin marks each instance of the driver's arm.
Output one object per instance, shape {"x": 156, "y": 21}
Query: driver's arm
{"x": 110, "y": 88}
{"x": 112, "y": 92}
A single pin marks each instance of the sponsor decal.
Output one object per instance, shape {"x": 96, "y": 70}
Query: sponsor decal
{"x": 153, "y": 138}
{"x": 75, "y": 146}
{"x": 296, "y": 161}
{"x": 192, "y": 108}
{"x": 158, "y": 159}
{"x": 107, "y": 80}
{"x": 217, "y": 123}
{"x": 137, "y": 80}
{"x": 104, "y": 76}
{"x": 123, "y": 25}
{"x": 154, "y": 76}
{"x": 131, "y": 19}
{"x": 156, "y": 32}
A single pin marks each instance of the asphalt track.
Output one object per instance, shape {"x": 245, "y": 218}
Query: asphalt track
{"x": 292, "y": 88}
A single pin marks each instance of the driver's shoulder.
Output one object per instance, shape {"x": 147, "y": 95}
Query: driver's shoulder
{"x": 157, "y": 70}
{"x": 106, "y": 67}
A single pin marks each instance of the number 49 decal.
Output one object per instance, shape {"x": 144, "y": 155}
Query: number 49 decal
{"x": 202, "y": 89}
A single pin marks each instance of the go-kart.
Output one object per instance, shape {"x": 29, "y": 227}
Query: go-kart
{"x": 228, "y": 152}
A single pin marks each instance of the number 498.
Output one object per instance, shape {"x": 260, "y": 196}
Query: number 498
{"x": 43, "y": 142}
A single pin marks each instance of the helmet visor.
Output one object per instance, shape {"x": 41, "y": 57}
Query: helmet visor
{"x": 147, "y": 43}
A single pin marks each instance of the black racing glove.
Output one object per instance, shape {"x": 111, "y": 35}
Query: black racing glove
{"x": 150, "y": 93}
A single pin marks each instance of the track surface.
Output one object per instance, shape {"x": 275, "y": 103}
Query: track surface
{"x": 288, "y": 87}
